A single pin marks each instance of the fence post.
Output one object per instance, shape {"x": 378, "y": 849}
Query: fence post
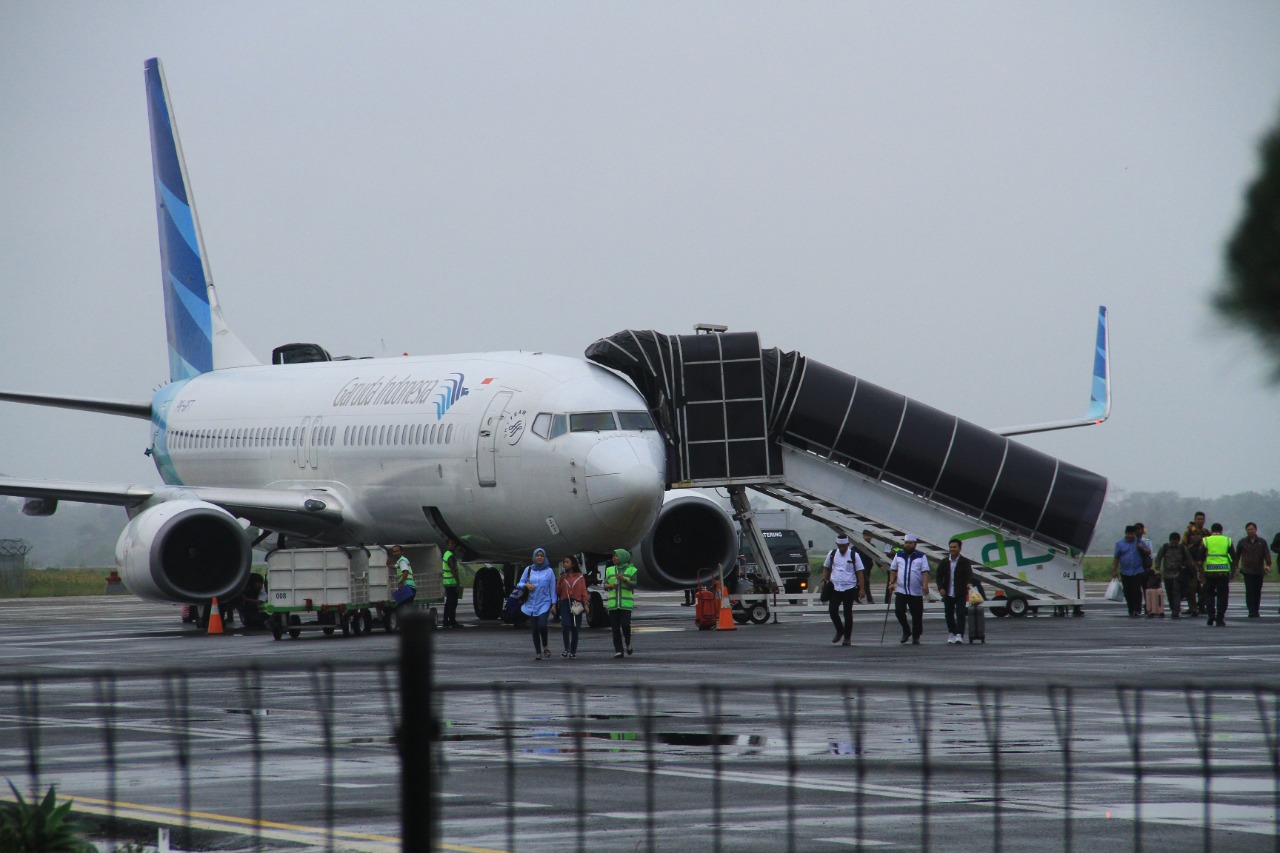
{"x": 419, "y": 729}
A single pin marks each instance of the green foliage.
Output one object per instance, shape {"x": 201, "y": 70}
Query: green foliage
{"x": 40, "y": 828}
{"x": 1251, "y": 296}
{"x": 43, "y": 583}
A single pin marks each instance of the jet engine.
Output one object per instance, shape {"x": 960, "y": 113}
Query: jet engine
{"x": 183, "y": 551}
{"x": 693, "y": 534}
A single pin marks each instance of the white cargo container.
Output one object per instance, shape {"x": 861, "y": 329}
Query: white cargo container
{"x": 315, "y": 578}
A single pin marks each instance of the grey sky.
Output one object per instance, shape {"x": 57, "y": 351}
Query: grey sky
{"x": 933, "y": 196}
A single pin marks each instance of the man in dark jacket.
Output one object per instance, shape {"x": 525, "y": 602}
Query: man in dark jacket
{"x": 955, "y": 574}
{"x": 1254, "y": 559}
{"x": 1175, "y": 563}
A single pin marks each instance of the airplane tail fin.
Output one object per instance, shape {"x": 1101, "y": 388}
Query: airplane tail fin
{"x": 199, "y": 338}
{"x": 1099, "y": 389}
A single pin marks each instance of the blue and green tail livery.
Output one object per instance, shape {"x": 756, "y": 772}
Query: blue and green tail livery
{"x": 199, "y": 340}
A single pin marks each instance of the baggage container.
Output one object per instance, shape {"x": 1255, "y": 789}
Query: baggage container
{"x": 314, "y": 578}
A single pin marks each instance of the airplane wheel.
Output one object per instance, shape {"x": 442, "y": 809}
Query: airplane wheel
{"x": 599, "y": 616}
{"x": 294, "y": 632}
{"x": 1018, "y": 606}
{"x": 487, "y": 595}
{"x": 758, "y": 613}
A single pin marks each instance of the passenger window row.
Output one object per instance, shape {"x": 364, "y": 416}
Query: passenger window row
{"x": 320, "y": 436}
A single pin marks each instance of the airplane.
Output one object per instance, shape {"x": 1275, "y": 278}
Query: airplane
{"x": 501, "y": 451}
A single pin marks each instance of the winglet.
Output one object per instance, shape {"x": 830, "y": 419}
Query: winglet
{"x": 1099, "y": 392}
{"x": 199, "y": 339}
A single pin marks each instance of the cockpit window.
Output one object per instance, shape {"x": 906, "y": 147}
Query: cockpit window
{"x": 635, "y": 420}
{"x": 590, "y": 421}
{"x": 542, "y": 425}
{"x": 559, "y": 425}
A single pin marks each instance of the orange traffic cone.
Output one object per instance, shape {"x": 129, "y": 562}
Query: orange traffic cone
{"x": 726, "y": 622}
{"x": 215, "y": 617}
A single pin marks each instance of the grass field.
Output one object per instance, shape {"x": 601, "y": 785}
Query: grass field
{"x": 45, "y": 583}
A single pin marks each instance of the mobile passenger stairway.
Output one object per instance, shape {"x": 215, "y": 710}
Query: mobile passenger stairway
{"x": 857, "y": 456}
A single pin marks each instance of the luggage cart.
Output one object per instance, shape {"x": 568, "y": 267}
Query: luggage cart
{"x": 346, "y": 589}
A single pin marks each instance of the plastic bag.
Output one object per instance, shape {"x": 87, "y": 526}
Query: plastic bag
{"x": 975, "y": 597}
{"x": 1115, "y": 592}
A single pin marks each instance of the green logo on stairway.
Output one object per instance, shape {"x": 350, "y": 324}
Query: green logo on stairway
{"x": 995, "y": 553}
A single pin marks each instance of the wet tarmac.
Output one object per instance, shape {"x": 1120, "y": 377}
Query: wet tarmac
{"x": 768, "y": 737}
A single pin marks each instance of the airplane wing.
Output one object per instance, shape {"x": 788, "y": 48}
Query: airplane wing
{"x": 1099, "y": 393}
{"x": 298, "y": 511}
{"x": 129, "y": 408}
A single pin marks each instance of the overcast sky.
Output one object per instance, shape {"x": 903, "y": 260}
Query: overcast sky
{"x": 933, "y": 196}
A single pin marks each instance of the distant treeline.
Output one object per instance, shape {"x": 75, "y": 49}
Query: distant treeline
{"x": 80, "y": 535}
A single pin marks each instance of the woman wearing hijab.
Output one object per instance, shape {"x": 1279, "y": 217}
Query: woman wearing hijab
{"x": 539, "y": 580}
{"x": 572, "y": 603}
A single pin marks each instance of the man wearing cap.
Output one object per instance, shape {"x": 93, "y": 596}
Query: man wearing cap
{"x": 843, "y": 570}
{"x": 909, "y": 575}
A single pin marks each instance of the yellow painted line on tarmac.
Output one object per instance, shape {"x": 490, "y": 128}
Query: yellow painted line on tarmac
{"x": 227, "y": 823}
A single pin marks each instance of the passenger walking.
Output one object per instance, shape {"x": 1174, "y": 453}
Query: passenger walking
{"x": 572, "y": 603}
{"x": 452, "y": 585}
{"x": 402, "y": 577}
{"x": 1193, "y": 538}
{"x": 1127, "y": 565}
{"x": 1254, "y": 560}
{"x": 955, "y": 576}
{"x": 1146, "y": 552}
{"x": 619, "y": 589}
{"x": 539, "y": 580}
{"x": 869, "y": 564}
{"x": 909, "y": 576}
{"x": 1219, "y": 560}
{"x": 843, "y": 570}
{"x": 1173, "y": 562}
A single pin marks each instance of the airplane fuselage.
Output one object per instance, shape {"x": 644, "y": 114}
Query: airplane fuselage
{"x": 506, "y": 449}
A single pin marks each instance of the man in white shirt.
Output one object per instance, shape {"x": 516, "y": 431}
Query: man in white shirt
{"x": 909, "y": 574}
{"x": 843, "y": 570}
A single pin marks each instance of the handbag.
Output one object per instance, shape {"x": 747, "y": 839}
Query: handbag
{"x": 576, "y": 608}
{"x": 827, "y": 591}
{"x": 518, "y": 596}
{"x": 1115, "y": 592}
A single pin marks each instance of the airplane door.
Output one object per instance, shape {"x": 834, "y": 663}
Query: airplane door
{"x": 487, "y": 440}
{"x": 303, "y": 448}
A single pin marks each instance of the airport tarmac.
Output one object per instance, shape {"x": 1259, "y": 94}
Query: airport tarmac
{"x": 531, "y": 745}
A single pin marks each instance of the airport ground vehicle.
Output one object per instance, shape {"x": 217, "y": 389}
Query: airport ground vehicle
{"x": 346, "y": 589}
{"x": 789, "y": 554}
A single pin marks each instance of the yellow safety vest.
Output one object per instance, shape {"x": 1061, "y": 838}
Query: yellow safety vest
{"x": 1219, "y": 549}
{"x": 620, "y": 597}
{"x": 450, "y": 579}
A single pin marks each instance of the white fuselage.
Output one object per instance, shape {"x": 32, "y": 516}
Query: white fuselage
{"x": 404, "y": 442}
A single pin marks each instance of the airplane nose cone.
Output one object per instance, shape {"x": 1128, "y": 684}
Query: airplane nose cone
{"x": 624, "y": 487}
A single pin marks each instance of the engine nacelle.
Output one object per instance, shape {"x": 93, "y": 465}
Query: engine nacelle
{"x": 693, "y": 534}
{"x": 183, "y": 551}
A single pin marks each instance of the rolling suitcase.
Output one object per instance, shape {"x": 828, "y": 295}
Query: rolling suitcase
{"x": 977, "y": 626}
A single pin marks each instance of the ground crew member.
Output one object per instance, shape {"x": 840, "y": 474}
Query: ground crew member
{"x": 1219, "y": 560}
{"x": 452, "y": 583}
{"x": 402, "y": 576}
{"x": 619, "y": 589}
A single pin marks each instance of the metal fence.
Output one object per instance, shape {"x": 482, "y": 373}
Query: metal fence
{"x": 13, "y": 566}
{"x": 269, "y": 758}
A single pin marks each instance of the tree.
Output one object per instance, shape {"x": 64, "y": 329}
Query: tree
{"x": 1251, "y": 295}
